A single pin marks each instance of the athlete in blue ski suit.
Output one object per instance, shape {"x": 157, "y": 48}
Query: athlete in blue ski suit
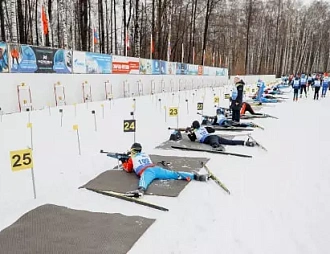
{"x": 325, "y": 86}
{"x": 221, "y": 120}
{"x": 260, "y": 98}
{"x": 295, "y": 86}
{"x": 141, "y": 164}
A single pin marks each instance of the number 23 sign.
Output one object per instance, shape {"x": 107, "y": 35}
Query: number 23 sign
{"x": 21, "y": 159}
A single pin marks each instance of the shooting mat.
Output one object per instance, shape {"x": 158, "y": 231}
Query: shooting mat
{"x": 187, "y": 143}
{"x": 120, "y": 181}
{"x": 55, "y": 229}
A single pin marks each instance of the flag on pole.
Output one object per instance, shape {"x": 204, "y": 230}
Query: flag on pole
{"x": 152, "y": 47}
{"x": 44, "y": 20}
{"x": 127, "y": 47}
{"x": 95, "y": 36}
{"x": 220, "y": 60}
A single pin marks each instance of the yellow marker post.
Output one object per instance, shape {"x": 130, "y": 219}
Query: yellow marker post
{"x": 21, "y": 160}
{"x": 174, "y": 112}
{"x": 76, "y": 128}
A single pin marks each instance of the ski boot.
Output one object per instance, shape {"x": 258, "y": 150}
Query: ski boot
{"x": 201, "y": 177}
{"x": 250, "y": 143}
{"x": 136, "y": 193}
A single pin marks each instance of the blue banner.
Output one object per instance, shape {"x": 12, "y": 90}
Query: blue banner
{"x": 63, "y": 61}
{"x": 155, "y": 70}
{"x": 220, "y": 72}
{"x": 163, "y": 69}
{"x": 181, "y": 69}
{"x": 98, "y": 63}
{"x": 3, "y": 57}
{"x": 22, "y": 58}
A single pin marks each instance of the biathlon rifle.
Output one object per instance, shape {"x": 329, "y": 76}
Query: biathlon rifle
{"x": 117, "y": 156}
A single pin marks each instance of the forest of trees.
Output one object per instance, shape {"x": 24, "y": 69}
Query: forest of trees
{"x": 247, "y": 36}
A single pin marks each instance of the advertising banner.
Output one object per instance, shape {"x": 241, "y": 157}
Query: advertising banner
{"x": 181, "y": 68}
{"x": 205, "y": 70}
{"x": 163, "y": 67}
{"x": 27, "y": 59}
{"x": 220, "y": 72}
{"x": 145, "y": 66}
{"x": 3, "y": 57}
{"x": 170, "y": 68}
{"x": 62, "y": 61}
{"x": 192, "y": 69}
{"x": 212, "y": 71}
{"x": 125, "y": 65}
{"x": 155, "y": 67}
{"x": 200, "y": 69}
{"x": 79, "y": 62}
{"x": 98, "y": 63}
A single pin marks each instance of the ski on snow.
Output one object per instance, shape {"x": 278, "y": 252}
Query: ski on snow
{"x": 130, "y": 199}
{"x": 215, "y": 179}
{"x": 257, "y": 143}
{"x": 211, "y": 151}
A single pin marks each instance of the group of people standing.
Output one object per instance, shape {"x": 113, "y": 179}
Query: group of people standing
{"x": 301, "y": 83}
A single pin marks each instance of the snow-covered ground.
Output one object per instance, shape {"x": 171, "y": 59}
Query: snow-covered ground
{"x": 279, "y": 201}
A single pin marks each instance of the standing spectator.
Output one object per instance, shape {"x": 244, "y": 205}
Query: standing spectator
{"x": 237, "y": 98}
{"x": 317, "y": 85}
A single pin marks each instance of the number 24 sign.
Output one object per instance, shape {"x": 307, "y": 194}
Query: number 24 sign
{"x": 21, "y": 159}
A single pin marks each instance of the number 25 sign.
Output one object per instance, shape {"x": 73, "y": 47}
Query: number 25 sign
{"x": 21, "y": 159}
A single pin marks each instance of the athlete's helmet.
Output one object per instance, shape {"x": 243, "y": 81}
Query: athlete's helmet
{"x": 220, "y": 111}
{"x": 136, "y": 147}
{"x": 195, "y": 125}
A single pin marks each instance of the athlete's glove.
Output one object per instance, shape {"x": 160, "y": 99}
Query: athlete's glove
{"x": 123, "y": 159}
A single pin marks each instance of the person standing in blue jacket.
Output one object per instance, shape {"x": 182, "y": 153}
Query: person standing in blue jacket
{"x": 303, "y": 83}
{"x": 237, "y": 98}
{"x": 261, "y": 89}
{"x": 295, "y": 86}
{"x": 325, "y": 86}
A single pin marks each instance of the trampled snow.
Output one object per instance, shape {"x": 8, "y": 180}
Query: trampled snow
{"x": 279, "y": 200}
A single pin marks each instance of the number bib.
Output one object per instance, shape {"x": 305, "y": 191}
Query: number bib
{"x": 201, "y": 134}
{"x": 140, "y": 161}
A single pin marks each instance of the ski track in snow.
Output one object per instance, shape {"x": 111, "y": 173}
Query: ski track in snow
{"x": 279, "y": 200}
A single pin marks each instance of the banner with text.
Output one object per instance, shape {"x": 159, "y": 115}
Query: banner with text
{"x": 28, "y": 59}
{"x": 3, "y": 57}
{"x": 79, "y": 62}
{"x": 62, "y": 61}
{"x": 145, "y": 66}
{"x": 125, "y": 65}
{"x": 155, "y": 70}
{"x": 97, "y": 63}
{"x": 192, "y": 69}
{"x": 170, "y": 68}
{"x": 181, "y": 68}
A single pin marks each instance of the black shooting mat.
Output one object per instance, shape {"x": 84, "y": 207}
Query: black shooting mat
{"x": 187, "y": 143}
{"x": 51, "y": 229}
{"x": 121, "y": 181}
